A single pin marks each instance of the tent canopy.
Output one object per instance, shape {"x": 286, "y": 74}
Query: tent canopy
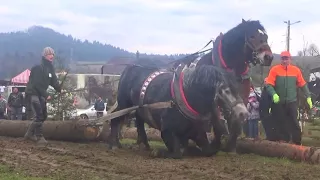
{"x": 22, "y": 78}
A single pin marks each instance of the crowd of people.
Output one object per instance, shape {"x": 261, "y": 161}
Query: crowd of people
{"x": 277, "y": 106}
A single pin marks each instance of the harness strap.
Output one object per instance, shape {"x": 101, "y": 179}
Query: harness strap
{"x": 217, "y": 57}
{"x": 179, "y": 97}
{"x": 146, "y": 83}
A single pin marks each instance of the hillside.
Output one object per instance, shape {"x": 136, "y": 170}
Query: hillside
{"x": 22, "y": 49}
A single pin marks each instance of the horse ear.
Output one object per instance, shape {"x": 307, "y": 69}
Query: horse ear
{"x": 243, "y": 21}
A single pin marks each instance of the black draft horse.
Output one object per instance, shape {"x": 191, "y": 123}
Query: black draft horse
{"x": 245, "y": 44}
{"x": 195, "y": 91}
{"x": 235, "y": 50}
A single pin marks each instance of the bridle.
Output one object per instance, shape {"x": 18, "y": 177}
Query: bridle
{"x": 227, "y": 104}
{"x": 255, "y": 49}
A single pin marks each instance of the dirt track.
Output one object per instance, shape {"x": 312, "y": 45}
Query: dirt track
{"x": 93, "y": 161}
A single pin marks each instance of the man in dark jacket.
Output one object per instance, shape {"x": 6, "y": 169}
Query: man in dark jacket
{"x": 41, "y": 77}
{"x": 15, "y": 103}
{"x": 267, "y": 120}
{"x": 99, "y": 107}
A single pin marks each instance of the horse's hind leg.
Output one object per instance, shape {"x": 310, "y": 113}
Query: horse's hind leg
{"x": 142, "y": 135}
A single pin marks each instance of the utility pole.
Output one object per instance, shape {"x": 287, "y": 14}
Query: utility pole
{"x": 288, "y": 32}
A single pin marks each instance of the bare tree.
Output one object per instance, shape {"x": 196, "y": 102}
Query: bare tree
{"x": 313, "y": 50}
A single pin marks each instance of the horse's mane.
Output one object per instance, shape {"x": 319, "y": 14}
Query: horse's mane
{"x": 238, "y": 33}
{"x": 200, "y": 85}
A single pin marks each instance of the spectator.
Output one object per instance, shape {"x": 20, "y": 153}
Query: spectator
{"x": 99, "y": 107}
{"x": 15, "y": 103}
{"x": 3, "y": 106}
{"x": 253, "y": 119}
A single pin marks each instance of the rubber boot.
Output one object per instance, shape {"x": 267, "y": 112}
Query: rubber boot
{"x": 41, "y": 141}
{"x": 30, "y": 134}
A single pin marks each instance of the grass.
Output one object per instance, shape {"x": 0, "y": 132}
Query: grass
{"x": 7, "y": 173}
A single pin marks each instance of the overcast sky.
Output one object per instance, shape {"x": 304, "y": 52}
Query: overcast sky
{"x": 164, "y": 26}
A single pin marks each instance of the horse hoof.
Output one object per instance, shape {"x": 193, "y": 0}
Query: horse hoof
{"x": 113, "y": 147}
{"x": 154, "y": 153}
{"x": 158, "y": 153}
{"x": 143, "y": 147}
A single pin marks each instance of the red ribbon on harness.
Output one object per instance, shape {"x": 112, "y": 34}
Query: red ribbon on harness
{"x": 222, "y": 61}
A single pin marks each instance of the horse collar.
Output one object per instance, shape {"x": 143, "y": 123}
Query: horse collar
{"x": 217, "y": 58}
{"x": 178, "y": 95}
{"x": 146, "y": 83}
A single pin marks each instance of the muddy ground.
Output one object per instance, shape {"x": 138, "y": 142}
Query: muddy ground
{"x": 65, "y": 160}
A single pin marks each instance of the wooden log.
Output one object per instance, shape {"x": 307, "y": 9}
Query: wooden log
{"x": 131, "y": 133}
{"x": 247, "y": 145}
{"x": 279, "y": 149}
{"x": 77, "y": 130}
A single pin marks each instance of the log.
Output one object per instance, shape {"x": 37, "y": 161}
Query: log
{"x": 131, "y": 133}
{"x": 76, "y": 130}
{"x": 279, "y": 149}
{"x": 247, "y": 145}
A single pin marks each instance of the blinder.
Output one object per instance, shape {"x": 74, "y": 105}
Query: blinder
{"x": 228, "y": 105}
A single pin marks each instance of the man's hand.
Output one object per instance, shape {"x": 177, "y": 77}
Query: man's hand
{"x": 49, "y": 97}
{"x": 309, "y": 101}
{"x": 276, "y": 98}
{"x": 63, "y": 91}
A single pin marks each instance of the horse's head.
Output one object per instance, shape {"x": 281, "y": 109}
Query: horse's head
{"x": 227, "y": 94}
{"x": 256, "y": 39}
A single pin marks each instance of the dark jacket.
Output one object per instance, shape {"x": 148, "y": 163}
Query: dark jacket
{"x": 15, "y": 100}
{"x": 265, "y": 103}
{"x": 99, "y": 106}
{"x": 41, "y": 77}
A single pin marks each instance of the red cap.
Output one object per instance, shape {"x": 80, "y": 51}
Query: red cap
{"x": 285, "y": 54}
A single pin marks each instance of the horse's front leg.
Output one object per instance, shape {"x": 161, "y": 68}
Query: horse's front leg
{"x": 218, "y": 129}
{"x": 142, "y": 140}
{"x": 207, "y": 148}
{"x": 173, "y": 145}
{"x": 235, "y": 131}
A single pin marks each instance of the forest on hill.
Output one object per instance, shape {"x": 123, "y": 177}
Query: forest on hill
{"x": 22, "y": 49}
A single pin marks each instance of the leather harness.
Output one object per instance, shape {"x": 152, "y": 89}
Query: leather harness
{"x": 146, "y": 83}
{"x": 217, "y": 58}
{"x": 178, "y": 94}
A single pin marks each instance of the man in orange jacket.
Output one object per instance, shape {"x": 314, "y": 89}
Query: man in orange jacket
{"x": 282, "y": 83}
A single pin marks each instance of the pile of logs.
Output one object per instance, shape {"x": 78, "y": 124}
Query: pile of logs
{"x": 86, "y": 130}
